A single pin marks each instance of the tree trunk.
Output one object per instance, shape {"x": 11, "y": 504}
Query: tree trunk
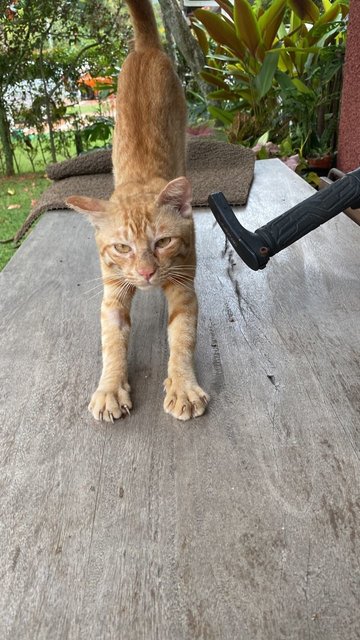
{"x": 174, "y": 18}
{"x": 5, "y": 137}
{"x": 47, "y": 107}
{"x": 170, "y": 42}
{"x": 51, "y": 128}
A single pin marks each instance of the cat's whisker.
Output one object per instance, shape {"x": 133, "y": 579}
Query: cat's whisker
{"x": 183, "y": 266}
{"x": 121, "y": 294}
{"x": 180, "y": 284}
{"x": 185, "y": 285}
{"x": 182, "y": 276}
{"x": 177, "y": 282}
{"x": 93, "y": 296}
{"x": 117, "y": 290}
{"x": 113, "y": 280}
{"x": 99, "y": 287}
{"x": 122, "y": 290}
{"x": 182, "y": 269}
{"x": 184, "y": 273}
{"x": 92, "y": 280}
{"x": 190, "y": 276}
{"x": 100, "y": 283}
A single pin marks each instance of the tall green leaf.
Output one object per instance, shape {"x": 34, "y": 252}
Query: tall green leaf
{"x": 221, "y": 94}
{"x": 247, "y": 28}
{"x": 238, "y": 73}
{"x": 300, "y": 86}
{"x": 305, "y": 9}
{"x": 264, "y": 80}
{"x": 329, "y": 15}
{"x": 270, "y": 22}
{"x": 295, "y": 22}
{"x": 264, "y": 138}
{"x": 201, "y": 38}
{"x": 284, "y": 81}
{"x": 211, "y": 78}
{"x": 226, "y": 6}
{"x": 285, "y": 62}
{"x": 220, "y": 31}
{"x": 221, "y": 114}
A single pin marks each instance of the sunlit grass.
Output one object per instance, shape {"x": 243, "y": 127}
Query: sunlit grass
{"x": 17, "y": 196}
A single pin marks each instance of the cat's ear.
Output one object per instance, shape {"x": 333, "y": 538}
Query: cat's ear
{"x": 92, "y": 207}
{"x": 177, "y": 194}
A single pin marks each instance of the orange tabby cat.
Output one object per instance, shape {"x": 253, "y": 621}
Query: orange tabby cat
{"x": 145, "y": 232}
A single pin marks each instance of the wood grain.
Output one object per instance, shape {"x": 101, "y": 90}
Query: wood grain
{"x": 241, "y": 524}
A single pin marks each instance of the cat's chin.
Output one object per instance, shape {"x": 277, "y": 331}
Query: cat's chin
{"x": 146, "y": 286}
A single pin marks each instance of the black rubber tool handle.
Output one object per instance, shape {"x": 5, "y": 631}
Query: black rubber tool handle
{"x": 256, "y": 248}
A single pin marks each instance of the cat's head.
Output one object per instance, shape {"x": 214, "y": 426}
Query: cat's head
{"x": 144, "y": 238}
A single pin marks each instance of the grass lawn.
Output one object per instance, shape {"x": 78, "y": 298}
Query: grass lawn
{"x": 85, "y": 109}
{"x": 17, "y": 196}
{"x": 24, "y": 165}
{"x": 18, "y": 193}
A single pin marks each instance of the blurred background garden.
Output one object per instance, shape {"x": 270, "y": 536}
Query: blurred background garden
{"x": 266, "y": 74}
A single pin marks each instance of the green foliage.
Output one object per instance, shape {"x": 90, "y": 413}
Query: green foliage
{"x": 100, "y": 129}
{"x": 16, "y": 198}
{"x": 45, "y": 47}
{"x": 275, "y": 67}
{"x": 311, "y": 110}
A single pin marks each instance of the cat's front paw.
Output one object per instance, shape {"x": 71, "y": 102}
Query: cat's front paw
{"x": 111, "y": 405}
{"x": 184, "y": 400}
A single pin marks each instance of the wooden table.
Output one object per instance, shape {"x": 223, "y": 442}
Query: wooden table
{"x": 243, "y": 524}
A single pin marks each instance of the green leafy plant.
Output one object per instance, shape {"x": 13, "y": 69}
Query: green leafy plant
{"x": 262, "y": 61}
{"x": 99, "y": 130}
{"x": 242, "y": 64}
{"x": 46, "y": 47}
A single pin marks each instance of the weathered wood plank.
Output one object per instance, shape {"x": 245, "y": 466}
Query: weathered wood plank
{"x": 243, "y": 523}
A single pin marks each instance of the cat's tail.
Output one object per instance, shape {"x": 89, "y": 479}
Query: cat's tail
{"x": 144, "y": 23}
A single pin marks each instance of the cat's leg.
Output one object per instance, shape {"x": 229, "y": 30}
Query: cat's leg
{"x": 184, "y": 398}
{"x": 112, "y": 400}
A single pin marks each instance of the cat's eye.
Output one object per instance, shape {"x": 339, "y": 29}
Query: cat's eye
{"x": 122, "y": 248}
{"x": 163, "y": 242}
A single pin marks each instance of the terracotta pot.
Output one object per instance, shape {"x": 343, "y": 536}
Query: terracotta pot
{"x": 323, "y": 162}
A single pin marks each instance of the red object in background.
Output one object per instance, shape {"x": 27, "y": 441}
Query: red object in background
{"x": 348, "y": 157}
{"x": 10, "y": 13}
{"x": 88, "y": 80}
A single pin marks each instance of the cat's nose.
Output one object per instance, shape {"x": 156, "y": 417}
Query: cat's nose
{"x": 146, "y": 272}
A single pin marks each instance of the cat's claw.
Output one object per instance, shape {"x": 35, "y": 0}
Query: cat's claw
{"x": 126, "y": 408}
{"x": 184, "y": 400}
{"x": 109, "y": 406}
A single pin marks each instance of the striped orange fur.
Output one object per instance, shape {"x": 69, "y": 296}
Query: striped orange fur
{"x": 145, "y": 232}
